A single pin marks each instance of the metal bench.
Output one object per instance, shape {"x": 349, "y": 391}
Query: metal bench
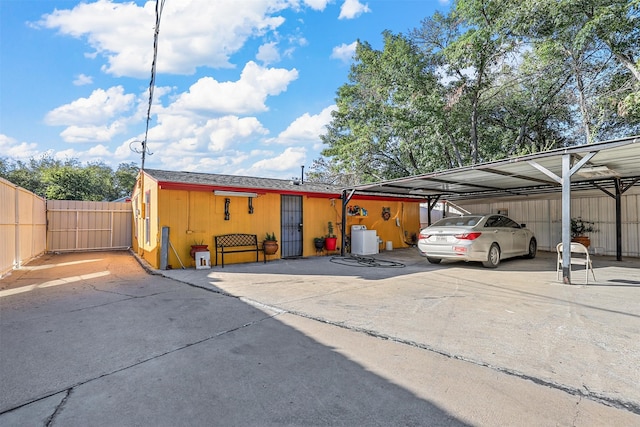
{"x": 234, "y": 243}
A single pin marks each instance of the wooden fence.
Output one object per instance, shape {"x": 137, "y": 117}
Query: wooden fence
{"x": 22, "y": 226}
{"x": 29, "y": 226}
{"x": 82, "y": 226}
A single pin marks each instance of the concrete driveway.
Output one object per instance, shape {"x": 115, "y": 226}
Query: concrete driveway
{"x": 93, "y": 339}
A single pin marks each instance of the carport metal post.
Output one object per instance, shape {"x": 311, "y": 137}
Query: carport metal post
{"x": 565, "y": 181}
{"x": 430, "y": 206}
{"x": 620, "y": 190}
{"x": 567, "y": 172}
{"x": 345, "y": 202}
{"x": 566, "y": 219}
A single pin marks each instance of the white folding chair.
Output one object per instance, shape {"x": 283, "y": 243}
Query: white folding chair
{"x": 582, "y": 258}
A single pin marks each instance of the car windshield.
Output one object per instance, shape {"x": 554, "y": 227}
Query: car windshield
{"x": 458, "y": 221}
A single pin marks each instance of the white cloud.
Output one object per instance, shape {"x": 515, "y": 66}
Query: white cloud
{"x": 94, "y": 119}
{"x": 246, "y": 95}
{"x": 290, "y": 159}
{"x": 352, "y": 9}
{"x": 207, "y": 125}
{"x": 179, "y": 136}
{"x": 229, "y": 131}
{"x": 15, "y": 150}
{"x": 317, "y": 4}
{"x": 268, "y": 53}
{"x": 174, "y": 128}
{"x": 92, "y": 133}
{"x": 124, "y": 150}
{"x": 306, "y": 128}
{"x": 82, "y": 80}
{"x": 192, "y": 32}
{"x": 98, "y": 153}
{"x": 100, "y": 106}
{"x": 344, "y": 52}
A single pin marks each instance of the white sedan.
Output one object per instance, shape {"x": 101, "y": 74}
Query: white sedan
{"x": 484, "y": 238}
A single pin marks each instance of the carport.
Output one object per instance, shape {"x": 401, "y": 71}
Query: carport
{"x": 612, "y": 167}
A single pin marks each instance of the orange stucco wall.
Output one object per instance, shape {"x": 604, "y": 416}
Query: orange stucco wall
{"x": 197, "y": 216}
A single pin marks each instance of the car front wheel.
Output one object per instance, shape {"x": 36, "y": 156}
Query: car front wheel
{"x": 533, "y": 247}
{"x": 493, "y": 258}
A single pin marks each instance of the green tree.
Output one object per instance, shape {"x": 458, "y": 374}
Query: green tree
{"x": 382, "y": 127}
{"x": 68, "y": 183}
{"x": 69, "y": 179}
{"x": 488, "y": 80}
{"x": 601, "y": 41}
{"x": 124, "y": 179}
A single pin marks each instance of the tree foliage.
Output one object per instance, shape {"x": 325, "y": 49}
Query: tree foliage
{"x": 486, "y": 81}
{"x": 69, "y": 179}
{"x": 380, "y": 128}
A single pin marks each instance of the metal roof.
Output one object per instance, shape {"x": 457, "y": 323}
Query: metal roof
{"x": 524, "y": 175}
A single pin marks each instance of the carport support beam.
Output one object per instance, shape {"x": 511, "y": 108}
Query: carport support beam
{"x": 431, "y": 203}
{"x": 566, "y": 219}
{"x": 345, "y": 202}
{"x": 565, "y": 181}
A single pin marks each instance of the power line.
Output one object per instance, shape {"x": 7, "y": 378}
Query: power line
{"x": 152, "y": 83}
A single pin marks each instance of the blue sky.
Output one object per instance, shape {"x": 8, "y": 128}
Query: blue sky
{"x": 243, "y": 87}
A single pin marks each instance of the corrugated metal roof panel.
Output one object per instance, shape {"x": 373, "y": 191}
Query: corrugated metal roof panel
{"x": 520, "y": 176}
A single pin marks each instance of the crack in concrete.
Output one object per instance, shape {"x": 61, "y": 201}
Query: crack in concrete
{"x": 128, "y": 295}
{"x": 124, "y": 368}
{"x": 608, "y": 401}
{"x": 577, "y": 414}
{"x": 59, "y": 407}
{"x": 580, "y": 392}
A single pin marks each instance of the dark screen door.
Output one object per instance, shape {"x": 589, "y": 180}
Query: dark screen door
{"x": 291, "y": 217}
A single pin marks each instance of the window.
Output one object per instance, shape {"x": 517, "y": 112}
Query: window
{"x": 493, "y": 221}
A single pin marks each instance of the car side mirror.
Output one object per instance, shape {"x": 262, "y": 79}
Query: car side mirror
{"x": 523, "y": 225}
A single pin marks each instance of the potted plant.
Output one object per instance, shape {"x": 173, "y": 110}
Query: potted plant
{"x": 270, "y": 244}
{"x": 318, "y": 242}
{"x": 331, "y": 240}
{"x": 198, "y": 246}
{"x": 579, "y": 229}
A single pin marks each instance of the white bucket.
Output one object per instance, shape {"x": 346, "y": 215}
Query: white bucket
{"x": 389, "y": 245}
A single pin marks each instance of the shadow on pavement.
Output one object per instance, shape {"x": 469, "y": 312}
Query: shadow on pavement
{"x": 130, "y": 348}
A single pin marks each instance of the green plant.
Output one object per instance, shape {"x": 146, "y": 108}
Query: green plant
{"x": 330, "y": 229}
{"x": 580, "y": 227}
{"x": 318, "y": 239}
{"x": 271, "y": 236}
{"x": 198, "y": 243}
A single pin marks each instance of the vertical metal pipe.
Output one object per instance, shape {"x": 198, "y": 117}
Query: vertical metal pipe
{"x": 618, "y": 219}
{"x": 164, "y": 248}
{"x": 566, "y": 218}
{"x": 343, "y": 233}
